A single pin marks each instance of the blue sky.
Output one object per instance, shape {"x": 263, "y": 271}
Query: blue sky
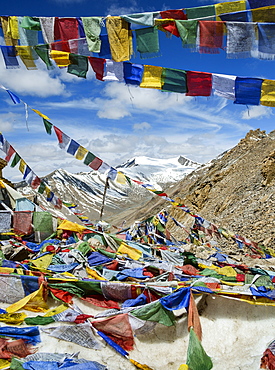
{"x": 117, "y": 122}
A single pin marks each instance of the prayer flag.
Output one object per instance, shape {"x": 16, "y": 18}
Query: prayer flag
{"x": 22, "y": 165}
{"x": 66, "y": 29}
{"x": 268, "y": 93}
{"x": 92, "y": 28}
{"x": 8, "y": 39}
{"x": 48, "y": 126}
{"x": 113, "y": 71}
{"x": 43, "y": 52}
{"x": 15, "y": 160}
{"x": 197, "y": 359}
{"x": 81, "y": 152}
{"x": 41, "y": 188}
{"x": 132, "y": 73}
{"x": 229, "y": 7}
{"x": 236, "y": 17}
{"x": 188, "y": 32}
{"x": 13, "y": 27}
{"x": 173, "y": 14}
{"x": 201, "y": 12}
{"x": 199, "y": 83}
{"x": 147, "y": 40}
{"x": 240, "y": 39}
{"x": 105, "y": 50}
{"x": 31, "y": 23}
{"x": 155, "y": 312}
{"x": 120, "y": 38}
{"x": 167, "y": 25}
{"x": 25, "y": 53}
{"x": 40, "y": 114}
{"x": 78, "y": 66}
{"x": 97, "y": 65}
{"x": 47, "y": 26}
{"x": 151, "y": 77}
{"x": 11, "y": 151}
{"x": 63, "y": 139}
{"x": 9, "y": 55}
{"x": 72, "y": 148}
{"x": 248, "y": 91}
{"x": 260, "y": 3}
{"x": 266, "y": 32}
{"x": 211, "y": 37}
{"x": 61, "y": 58}
{"x": 174, "y": 80}
{"x": 224, "y": 86}
{"x": 144, "y": 19}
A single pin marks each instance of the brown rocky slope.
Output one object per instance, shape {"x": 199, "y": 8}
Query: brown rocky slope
{"x": 235, "y": 191}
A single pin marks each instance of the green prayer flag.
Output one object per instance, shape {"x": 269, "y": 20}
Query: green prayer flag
{"x": 188, "y": 32}
{"x": 197, "y": 359}
{"x": 84, "y": 248}
{"x": 155, "y": 312}
{"x": 147, "y": 40}
{"x": 78, "y": 66}
{"x": 108, "y": 254}
{"x": 16, "y": 159}
{"x": 42, "y": 221}
{"x": 201, "y": 12}
{"x": 89, "y": 158}
{"x": 41, "y": 188}
{"x": 48, "y": 126}
{"x": 174, "y": 80}
{"x": 43, "y": 52}
{"x": 31, "y": 23}
{"x": 39, "y": 320}
{"x": 16, "y": 364}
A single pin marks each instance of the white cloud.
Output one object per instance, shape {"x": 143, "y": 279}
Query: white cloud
{"x": 141, "y": 126}
{"x": 256, "y": 111}
{"x": 7, "y": 121}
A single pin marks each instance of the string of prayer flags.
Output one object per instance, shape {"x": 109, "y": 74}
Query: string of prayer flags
{"x": 147, "y": 40}
{"x": 120, "y": 38}
{"x": 92, "y": 29}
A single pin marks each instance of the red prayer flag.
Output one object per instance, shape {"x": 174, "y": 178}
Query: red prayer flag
{"x": 98, "y": 66}
{"x": 118, "y": 328}
{"x": 173, "y": 14}
{"x": 61, "y": 46}
{"x": 11, "y": 151}
{"x": 100, "y": 301}
{"x": 211, "y": 37}
{"x": 66, "y": 29}
{"x": 59, "y": 134}
{"x": 35, "y": 182}
{"x": 96, "y": 163}
{"x": 199, "y": 83}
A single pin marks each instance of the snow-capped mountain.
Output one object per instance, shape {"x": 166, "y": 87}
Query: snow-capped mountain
{"x": 86, "y": 189}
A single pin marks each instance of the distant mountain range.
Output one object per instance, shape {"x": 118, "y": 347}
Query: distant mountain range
{"x": 86, "y": 189}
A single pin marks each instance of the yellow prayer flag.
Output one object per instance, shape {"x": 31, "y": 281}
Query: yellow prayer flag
{"x": 8, "y": 39}
{"x": 22, "y": 165}
{"x": 120, "y": 38}
{"x": 13, "y": 29}
{"x": 40, "y": 114}
{"x": 43, "y": 262}
{"x": 152, "y": 77}
{"x": 183, "y": 367}
{"x": 56, "y": 310}
{"x": 4, "y": 364}
{"x": 229, "y": 7}
{"x": 268, "y": 93}
{"x": 131, "y": 252}
{"x": 69, "y": 225}
{"x": 264, "y": 14}
{"x": 140, "y": 366}
{"x": 13, "y": 318}
{"x": 81, "y": 152}
{"x": 120, "y": 178}
{"x": 61, "y": 58}
{"x": 25, "y": 53}
{"x": 32, "y": 302}
{"x": 93, "y": 274}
